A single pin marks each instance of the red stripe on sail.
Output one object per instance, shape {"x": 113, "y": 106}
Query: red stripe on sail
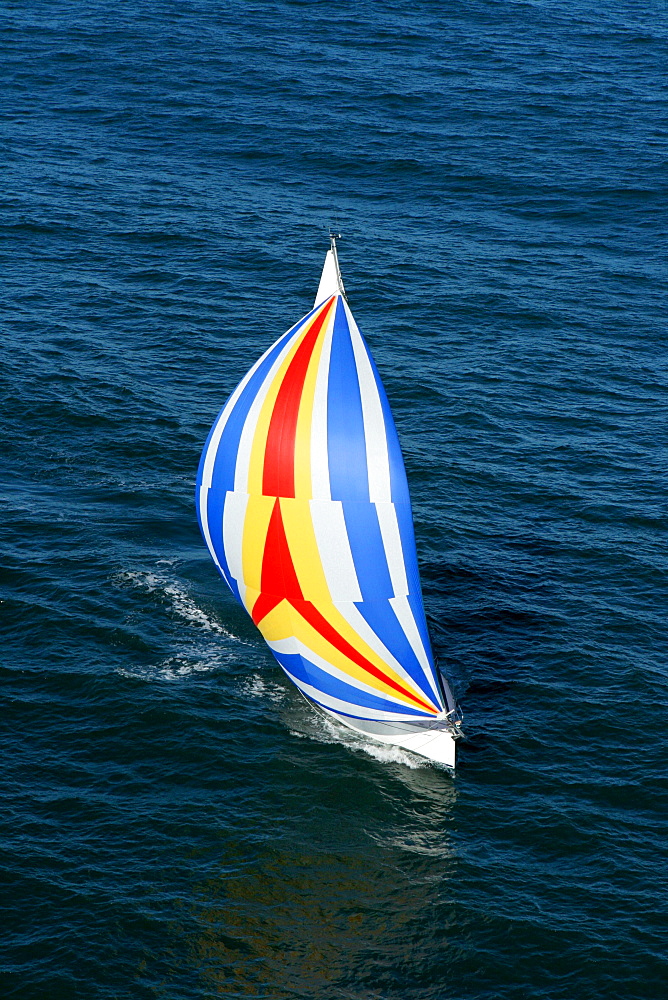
{"x": 309, "y": 612}
{"x": 279, "y": 582}
{"x": 263, "y": 605}
{"x": 278, "y": 478}
{"x": 279, "y": 579}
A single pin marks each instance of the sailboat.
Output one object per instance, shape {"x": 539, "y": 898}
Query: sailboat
{"x": 303, "y": 504}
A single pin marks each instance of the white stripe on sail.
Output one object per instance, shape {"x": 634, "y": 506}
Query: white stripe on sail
{"x": 250, "y": 424}
{"x": 210, "y": 460}
{"x": 347, "y": 707}
{"x": 377, "y": 458}
{"x": 404, "y": 614}
{"x": 294, "y": 645}
{"x": 394, "y": 553}
{"x": 320, "y": 486}
{"x": 334, "y": 549}
{"x": 204, "y": 517}
{"x": 234, "y": 516}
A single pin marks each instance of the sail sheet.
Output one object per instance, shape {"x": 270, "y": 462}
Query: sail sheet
{"x": 303, "y": 503}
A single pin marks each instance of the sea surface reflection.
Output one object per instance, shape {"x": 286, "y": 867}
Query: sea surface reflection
{"x": 352, "y": 906}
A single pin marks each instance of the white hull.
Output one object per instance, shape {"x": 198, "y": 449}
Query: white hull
{"x": 435, "y": 743}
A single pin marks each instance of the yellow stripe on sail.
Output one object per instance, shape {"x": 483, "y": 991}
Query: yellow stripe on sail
{"x": 300, "y": 536}
{"x": 256, "y": 525}
{"x": 278, "y": 624}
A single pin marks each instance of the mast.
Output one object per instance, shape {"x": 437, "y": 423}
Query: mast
{"x": 333, "y": 237}
{"x": 331, "y": 282}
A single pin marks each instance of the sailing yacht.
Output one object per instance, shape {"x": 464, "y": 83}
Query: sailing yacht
{"x": 303, "y": 504}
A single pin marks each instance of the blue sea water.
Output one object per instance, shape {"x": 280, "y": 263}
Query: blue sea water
{"x": 175, "y": 821}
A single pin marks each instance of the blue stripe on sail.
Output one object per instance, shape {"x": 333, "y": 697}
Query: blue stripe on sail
{"x": 200, "y": 468}
{"x": 368, "y": 552}
{"x": 351, "y": 714}
{"x": 303, "y": 670}
{"x": 407, "y": 535}
{"x": 382, "y": 619}
{"x": 215, "y": 506}
{"x": 346, "y": 445}
{"x": 234, "y": 586}
{"x": 215, "y": 503}
{"x": 415, "y": 601}
{"x": 215, "y": 510}
{"x": 398, "y": 483}
{"x": 356, "y": 715}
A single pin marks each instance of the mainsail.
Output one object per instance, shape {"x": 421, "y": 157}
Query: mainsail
{"x": 303, "y": 503}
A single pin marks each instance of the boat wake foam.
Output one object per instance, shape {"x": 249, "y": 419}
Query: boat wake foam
{"x": 323, "y": 730}
{"x": 177, "y": 667}
{"x": 205, "y": 646}
{"x": 256, "y": 686}
{"x": 182, "y": 604}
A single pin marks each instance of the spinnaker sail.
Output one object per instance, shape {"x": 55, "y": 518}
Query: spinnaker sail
{"x": 303, "y": 503}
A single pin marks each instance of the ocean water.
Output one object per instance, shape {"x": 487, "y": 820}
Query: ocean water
{"x": 175, "y": 821}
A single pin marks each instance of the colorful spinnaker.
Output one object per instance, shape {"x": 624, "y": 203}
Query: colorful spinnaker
{"x": 303, "y": 503}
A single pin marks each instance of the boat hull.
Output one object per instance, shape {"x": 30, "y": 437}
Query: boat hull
{"x": 434, "y": 742}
